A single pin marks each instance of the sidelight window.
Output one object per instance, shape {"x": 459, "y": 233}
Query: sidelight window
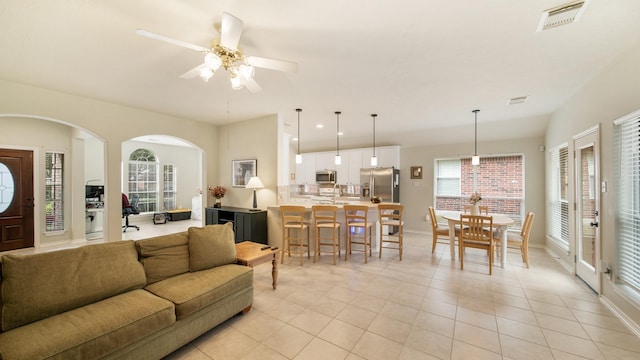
{"x": 54, "y": 191}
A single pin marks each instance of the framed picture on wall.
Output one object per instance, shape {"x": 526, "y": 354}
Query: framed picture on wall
{"x": 242, "y": 171}
{"x": 416, "y": 172}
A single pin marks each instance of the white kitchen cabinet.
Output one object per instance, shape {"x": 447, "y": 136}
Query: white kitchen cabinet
{"x": 306, "y": 172}
{"x": 355, "y": 163}
{"x": 389, "y": 156}
{"x": 325, "y": 161}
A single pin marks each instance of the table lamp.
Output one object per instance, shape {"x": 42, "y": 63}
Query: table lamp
{"x": 254, "y": 183}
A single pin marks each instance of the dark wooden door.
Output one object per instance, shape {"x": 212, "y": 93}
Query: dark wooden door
{"x": 16, "y": 199}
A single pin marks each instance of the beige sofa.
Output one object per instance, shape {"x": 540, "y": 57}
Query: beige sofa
{"x": 121, "y": 300}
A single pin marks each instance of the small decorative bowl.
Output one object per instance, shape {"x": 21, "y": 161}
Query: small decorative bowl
{"x": 376, "y": 200}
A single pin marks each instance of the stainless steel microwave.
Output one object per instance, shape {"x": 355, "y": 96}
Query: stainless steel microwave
{"x": 325, "y": 177}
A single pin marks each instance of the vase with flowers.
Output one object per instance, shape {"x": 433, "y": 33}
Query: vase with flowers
{"x": 474, "y": 200}
{"x": 218, "y": 193}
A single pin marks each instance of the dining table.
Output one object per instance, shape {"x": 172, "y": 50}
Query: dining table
{"x": 500, "y": 223}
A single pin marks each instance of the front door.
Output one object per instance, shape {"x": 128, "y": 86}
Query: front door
{"x": 16, "y": 199}
{"x": 587, "y": 207}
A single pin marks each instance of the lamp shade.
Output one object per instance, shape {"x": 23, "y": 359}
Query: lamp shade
{"x": 254, "y": 183}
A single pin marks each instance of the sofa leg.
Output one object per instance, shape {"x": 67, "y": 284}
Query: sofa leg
{"x": 246, "y": 310}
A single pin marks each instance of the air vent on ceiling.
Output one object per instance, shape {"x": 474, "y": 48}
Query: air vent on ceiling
{"x": 517, "y": 100}
{"x": 562, "y": 15}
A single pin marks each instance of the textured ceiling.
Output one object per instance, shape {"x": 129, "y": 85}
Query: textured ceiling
{"x": 421, "y": 65}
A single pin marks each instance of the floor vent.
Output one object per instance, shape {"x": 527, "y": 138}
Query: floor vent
{"x": 562, "y": 15}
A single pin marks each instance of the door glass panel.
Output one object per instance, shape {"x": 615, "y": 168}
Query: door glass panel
{"x": 587, "y": 216}
{"x": 7, "y": 186}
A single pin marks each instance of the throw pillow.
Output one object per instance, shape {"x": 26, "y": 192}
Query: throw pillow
{"x": 210, "y": 246}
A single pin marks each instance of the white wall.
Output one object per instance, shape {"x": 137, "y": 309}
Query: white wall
{"x": 417, "y": 195}
{"x": 610, "y": 95}
{"x": 111, "y": 122}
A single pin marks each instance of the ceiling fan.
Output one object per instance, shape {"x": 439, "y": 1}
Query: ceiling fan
{"x": 225, "y": 52}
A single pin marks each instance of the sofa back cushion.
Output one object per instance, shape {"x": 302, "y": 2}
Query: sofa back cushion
{"x": 38, "y": 286}
{"x": 212, "y": 245}
{"x": 164, "y": 256}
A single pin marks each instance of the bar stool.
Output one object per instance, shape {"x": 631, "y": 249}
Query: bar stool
{"x": 390, "y": 216}
{"x": 324, "y": 217}
{"x": 292, "y": 218}
{"x": 356, "y": 221}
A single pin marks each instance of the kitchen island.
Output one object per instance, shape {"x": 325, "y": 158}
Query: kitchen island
{"x": 275, "y": 224}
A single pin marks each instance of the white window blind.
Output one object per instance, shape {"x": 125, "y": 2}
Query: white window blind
{"x": 559, "y": 188}
{"x": 627, "y": 162}
{"x": 169, "y": 184}
{"x": 448, "y": 177}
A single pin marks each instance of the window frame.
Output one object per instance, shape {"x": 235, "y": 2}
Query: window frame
{"x": 54, "y": 184}
{"x": 559, "y": 196}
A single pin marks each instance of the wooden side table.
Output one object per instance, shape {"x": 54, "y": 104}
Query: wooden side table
{"x": 249, "y": 253}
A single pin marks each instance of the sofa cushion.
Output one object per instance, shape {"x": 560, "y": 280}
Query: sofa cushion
{"x": 38, "y": 286}
{"x": 195, "y": 290}
{"x": 164, "y": 256}
{"x": 212, "y": 245}
{"x": 91, "y": 331}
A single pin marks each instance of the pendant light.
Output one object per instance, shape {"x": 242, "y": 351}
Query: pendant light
{"x": 338, "y": 160}
{"x": 475, "y": 160}
{"x": 374, "y": 159}
{"x": 298, "y": 156}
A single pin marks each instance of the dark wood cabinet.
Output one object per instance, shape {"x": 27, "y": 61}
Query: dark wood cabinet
{"x": 247, "y": 225}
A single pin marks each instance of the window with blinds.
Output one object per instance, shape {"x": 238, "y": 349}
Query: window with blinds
{"x": 559, "y": 229}
{"x": 143, "y": 179}
{"x": 627, "y": 167}
{"x": 169, "y": 177}
{"x": 54, "y": 191}
{"x": 448, "y": 173}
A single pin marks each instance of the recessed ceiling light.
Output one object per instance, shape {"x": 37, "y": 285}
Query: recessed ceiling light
{"x": 517, "y": 100}
{"x": 340, "y": 133}
{"x": 319, "y": 126}
{"x": 294, "y": 139}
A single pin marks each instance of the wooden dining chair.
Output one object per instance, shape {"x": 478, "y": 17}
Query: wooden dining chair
{"x": 520, "y": 240}
{"x": 359, "y": 230}
{"x": 324, "y": 218}
{"x": 474, "y": 235}
{"x": 439, "y": 232}
{"x": 484, "y": 209}
{"x": 295, "y": 231}
{"x": 390, "y": 219}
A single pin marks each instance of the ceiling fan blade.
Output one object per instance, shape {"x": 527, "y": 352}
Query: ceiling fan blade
{"x": 230, "y": 29}
{"x": 251, "y": 85}
{"x": 193, "y": 73}
{"x": 169, "y": 40}
{"x": 279, "y": 65}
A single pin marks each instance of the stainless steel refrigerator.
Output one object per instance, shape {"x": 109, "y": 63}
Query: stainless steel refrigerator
{"x": 383, "y": 182}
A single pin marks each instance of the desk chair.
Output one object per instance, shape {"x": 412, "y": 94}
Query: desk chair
{"x": 129, "y": 209}
{"x": 473, "y": 235}
{"x": 295, "y": 231}
{"x": 390, "y": 215}
{"x": 356, "y": 221}
{"x": 324, "y": 218}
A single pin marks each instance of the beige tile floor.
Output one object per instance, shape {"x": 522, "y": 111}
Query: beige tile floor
{"x": 422, "y": 307}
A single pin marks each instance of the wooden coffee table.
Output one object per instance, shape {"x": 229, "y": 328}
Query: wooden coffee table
{"x": 250, "y": 254}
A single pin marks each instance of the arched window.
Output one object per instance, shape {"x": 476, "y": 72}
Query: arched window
{"x": 143, "y": 179}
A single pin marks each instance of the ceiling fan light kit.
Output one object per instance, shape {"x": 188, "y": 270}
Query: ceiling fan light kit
{"x": 225, "y": 52}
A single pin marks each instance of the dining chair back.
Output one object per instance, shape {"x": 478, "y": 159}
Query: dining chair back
{"x": 473, "y": 234}
{"x": 295, "y": 232}
{"x": 359, "y": 230}
{"x": 438, "y": 232}
{"x": 484, "y": 209}
{"x": 325, "y": 218}
{"x": 391, "y": 227}
{"x": 521, "y": 241}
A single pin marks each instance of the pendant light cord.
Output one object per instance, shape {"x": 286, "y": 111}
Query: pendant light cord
{"x": 374, "y": 133}
{"x": 475, "y": 141}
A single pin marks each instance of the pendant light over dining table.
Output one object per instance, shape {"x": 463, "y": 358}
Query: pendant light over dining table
{"x": 338, "y": 160}
{"x": 298, "y": 155}
{"x": 374, "y": 159}
{"x": 475, "y": 160}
